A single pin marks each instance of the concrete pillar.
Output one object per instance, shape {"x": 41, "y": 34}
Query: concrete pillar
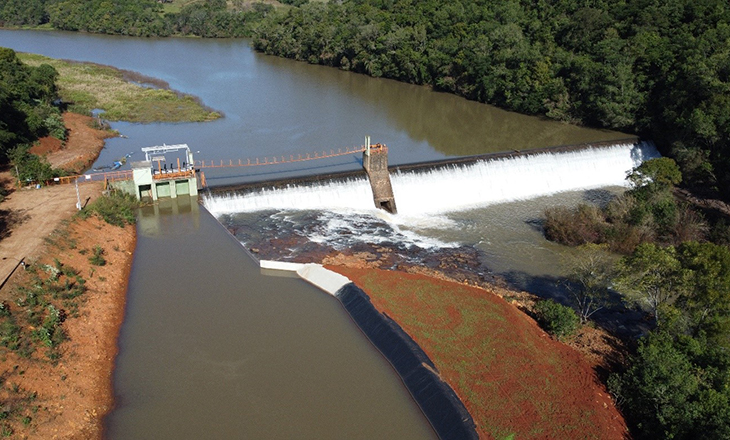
{"x": 375, "y": 162}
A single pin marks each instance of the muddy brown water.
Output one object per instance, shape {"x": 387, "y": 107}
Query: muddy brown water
{"x": 211, "y": 348}
{"x": 279, "y": 107}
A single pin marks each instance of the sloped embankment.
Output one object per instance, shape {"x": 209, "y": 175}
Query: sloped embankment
{"x": 512, "y": 377}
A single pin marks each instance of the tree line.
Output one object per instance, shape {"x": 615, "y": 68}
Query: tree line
{"x": 140, "y": 18}
{"x": 655, "y": 67}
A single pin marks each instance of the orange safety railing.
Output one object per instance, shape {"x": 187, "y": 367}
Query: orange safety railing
{"x": 173, "y": 174}
{"x": 91, "y": 177}
{"x": 278, "y": 160}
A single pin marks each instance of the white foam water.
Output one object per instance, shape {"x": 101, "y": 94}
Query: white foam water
{"x": 421, "y": 195}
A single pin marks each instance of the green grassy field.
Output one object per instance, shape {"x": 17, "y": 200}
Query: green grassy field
{"x": 88, "y": 86}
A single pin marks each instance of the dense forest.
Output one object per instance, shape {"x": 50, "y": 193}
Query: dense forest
{"x": 141, "y": 18}
{"x": 659, "y": 68}
{"x": 676, "y": 268}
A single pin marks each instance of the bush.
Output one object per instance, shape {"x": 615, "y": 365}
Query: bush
{"x": 557, "y": 319}
{"x": 586, "y": 224}
{"x": 116, "y": 208}
{"x": 31, "y": 168}
{"x": 98, "y": 258}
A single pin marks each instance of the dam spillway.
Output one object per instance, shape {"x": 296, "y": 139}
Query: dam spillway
{"x": 466, "y": 183}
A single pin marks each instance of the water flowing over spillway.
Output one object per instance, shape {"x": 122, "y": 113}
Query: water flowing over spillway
{"x": 457, "y": 187}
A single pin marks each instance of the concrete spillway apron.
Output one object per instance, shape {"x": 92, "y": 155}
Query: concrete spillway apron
{"x": 442, "y": 407}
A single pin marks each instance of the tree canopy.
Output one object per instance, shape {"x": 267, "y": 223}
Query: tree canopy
{"x": 27, "y": 95}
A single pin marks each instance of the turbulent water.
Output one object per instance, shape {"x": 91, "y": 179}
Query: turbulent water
{"x": 340, "y": 213}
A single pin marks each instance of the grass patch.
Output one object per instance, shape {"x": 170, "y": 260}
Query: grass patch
{"x": 36, "y": 317}
{"x": 98, "y": 258}
{"x": 122, "y": 95}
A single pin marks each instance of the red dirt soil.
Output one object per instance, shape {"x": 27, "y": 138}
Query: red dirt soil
{"x": 511, "y": 376}
{"x": 75, "y": 394}
{"x": 80, "y": 150}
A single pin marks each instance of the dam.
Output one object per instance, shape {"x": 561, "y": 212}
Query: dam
{"x": 445, "y": 186}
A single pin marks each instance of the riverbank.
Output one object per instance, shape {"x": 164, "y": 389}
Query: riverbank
{"x": 27, "y": 215}
{"x": 122, "y": 95}
{"x": 81, "y": 148}
{"x": 64, "y": 391}
{"x": 58, "y": 383}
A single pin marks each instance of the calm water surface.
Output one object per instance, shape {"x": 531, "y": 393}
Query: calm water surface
{"x": 210, "y": 348}
{"x": 275, "y": 106}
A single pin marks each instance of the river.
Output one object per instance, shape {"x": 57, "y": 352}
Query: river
{"x": 279, "y": 107}
{"x": 201, "y": 326}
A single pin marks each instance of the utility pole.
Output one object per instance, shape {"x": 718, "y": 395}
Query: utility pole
{"x": 78, "y": 197}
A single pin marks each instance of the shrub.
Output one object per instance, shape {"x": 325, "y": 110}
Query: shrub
{"x": 586, "y": 224}
{"x": 31, "y": 168}
{"x": 623, "y": 238}
{"x": 98, "y": 258}
{"x": 557, "y": 319}
{"x": 116, "y": 208}
{"x": 9, "y": 334}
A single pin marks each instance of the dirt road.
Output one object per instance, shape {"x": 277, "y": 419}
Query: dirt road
{"x": 28, "y": 215}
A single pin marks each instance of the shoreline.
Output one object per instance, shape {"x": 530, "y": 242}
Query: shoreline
{"x": 443, "y": 381}
{"x": 576, "y": 395}
{"x": 113, "y": 335}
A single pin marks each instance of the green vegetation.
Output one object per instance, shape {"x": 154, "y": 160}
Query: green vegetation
{"x": 27, "y": 110}
{"x": 115, "y": 207}
{"x": 98, "y": 258}
{"x": 647, "y": 66}
{"x": 649, "y": 212}
{"x": 589, "y": 280}
{"x": 17, "y": 407}
{"x": 31, "y": 90}
{"x": 141, "y": 18}
{"x": 655, "y": 68}
{"x": 30, "y": 167}
{"x": 558, "y": 320}
{"x": 676, "y": 386}
{"x": 40, "y": 309}
{"x": 86, "y": 86}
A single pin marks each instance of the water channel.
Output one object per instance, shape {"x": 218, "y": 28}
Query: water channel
{"x": 212, "y": 349}
{"x": 209, "y": 349}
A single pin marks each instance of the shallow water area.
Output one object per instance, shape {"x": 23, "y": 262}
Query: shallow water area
{"x": 210, "y": 348}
